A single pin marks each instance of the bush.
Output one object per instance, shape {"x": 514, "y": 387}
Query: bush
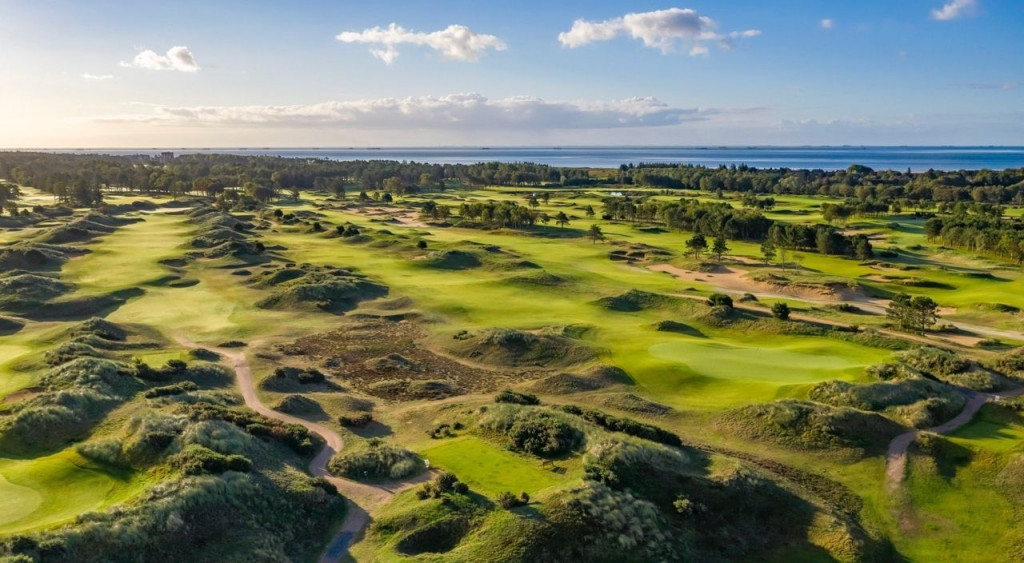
{"x": 444, "y": 483}
{"x": 360, "y": 420}
{"x": 720, "y": 300}
{"x": 780, "y": 311}
{"x": 536, "y": 432}
{"x": 197, "y": 460}
{"x": 508, "y": 396}
{"x": 379, "y": 461}
{"x": 625, "y": 425}
{"x": 509, "y": 501}
{"x": 167, "y": 390}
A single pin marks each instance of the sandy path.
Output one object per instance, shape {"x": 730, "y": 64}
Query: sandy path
{"x": 896, "y": 456}
{"x": 735, "y": 281}
{"x": 360, "y": 497}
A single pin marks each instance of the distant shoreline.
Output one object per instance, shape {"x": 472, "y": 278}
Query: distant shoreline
{"x": 903, "y": 157}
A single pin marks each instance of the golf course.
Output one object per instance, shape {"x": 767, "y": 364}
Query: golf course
{"x": 311, "y": 360}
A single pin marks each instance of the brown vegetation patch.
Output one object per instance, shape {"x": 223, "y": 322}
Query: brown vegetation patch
{"x": 384, "y": 358}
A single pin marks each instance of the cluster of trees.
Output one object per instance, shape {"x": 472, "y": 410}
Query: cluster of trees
{"x": 914, "y": 314}
{"x": 880, "y": 189}
{"x": 73, "y": 177}
{"x": 982, "y": 232}
{"x": 720, "y": 222}
{"x": 504, "y": 214}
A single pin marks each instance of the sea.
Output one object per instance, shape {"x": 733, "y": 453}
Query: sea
{"x": 916, "y": 159}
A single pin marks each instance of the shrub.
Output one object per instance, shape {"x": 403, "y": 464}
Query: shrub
{"x": 537, "y": 432}
{"x": 360, "y": 420}
{"x": 720, "y": 300}
{"x": 444, "y": 483}
{"x": 509, "y": 501}
{"x": 780, "y": 311}
{"x": 379, "y": 461}
{"x": 197, "y": 460}
{"x": 625, "y": 425}
{"x": 175, "y": 389}
{"x": 508, "y": 396}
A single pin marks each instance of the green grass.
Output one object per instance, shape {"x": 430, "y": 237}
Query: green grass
{"x": 490, "y": 470}
{"x": 46, "y": 491}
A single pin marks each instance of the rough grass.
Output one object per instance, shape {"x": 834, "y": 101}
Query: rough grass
{"x": 811, "y": 426}
{"x": 515, "y": 348}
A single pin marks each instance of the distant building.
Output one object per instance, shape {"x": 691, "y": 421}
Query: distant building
{"x": 166, "y": 156}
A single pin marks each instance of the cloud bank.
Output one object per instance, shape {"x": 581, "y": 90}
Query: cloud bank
{"x": 88, "y": 76}
{"x": 954, "y": 9}
{"x": 661, "y": 29}
{"x": 455, "y": 42}
{"x": 469, "y": 112}
{"x": 178, "y": 58}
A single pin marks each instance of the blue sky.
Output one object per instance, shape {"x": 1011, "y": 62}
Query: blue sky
{"x": 726, "y": 72}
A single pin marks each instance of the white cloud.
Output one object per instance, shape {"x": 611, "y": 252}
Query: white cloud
{"x": 87, "y": 76}
{"x": 468, "y": 112}
{"x": 178, "y": 58}
{"x": 661, "y": 29}
{"x": 455, "y": 42}
{"x": 827, "y": 23}
{"x": 954, "y": 9}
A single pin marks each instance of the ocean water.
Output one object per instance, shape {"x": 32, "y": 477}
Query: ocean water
{"x": 825, "y": 158}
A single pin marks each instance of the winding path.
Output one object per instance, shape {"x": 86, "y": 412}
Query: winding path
{"x": 896, "y": 456}
{"x": 358, "y": 496}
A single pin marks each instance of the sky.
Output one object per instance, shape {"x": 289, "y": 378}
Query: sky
{"x": 340, "y": 73}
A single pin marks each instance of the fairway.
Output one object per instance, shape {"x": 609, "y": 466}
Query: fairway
{"x": 781, "y": 363}
{"x": 50, "y": 490}
{"x": 491, "y": 470}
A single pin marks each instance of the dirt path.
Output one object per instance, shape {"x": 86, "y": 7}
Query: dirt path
{"x": 896, "y": 456}
{"x": 360, "y": 497}
{"x": 735, "y": 281}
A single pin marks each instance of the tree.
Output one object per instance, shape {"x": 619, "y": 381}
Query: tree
{"x": 914, "y": 314}
{"x": 697, "y": 244}
{"x": 862, "y": 248}
{"x": 719, "y": 247}
{"x": 768, "y": 251}
{"x": 595, "y": 233}
{"x": 780, "y": 311}
{"x": 562, "y": 219}
{"x": 589, "y": 211}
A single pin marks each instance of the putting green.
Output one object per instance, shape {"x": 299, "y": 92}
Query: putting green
{"x": 797, "y": 362}
{"x": 46, "y": 491}
{"x": 491, "y": 470}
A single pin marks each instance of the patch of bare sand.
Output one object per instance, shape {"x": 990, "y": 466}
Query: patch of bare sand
{"x": 737, "y": 280}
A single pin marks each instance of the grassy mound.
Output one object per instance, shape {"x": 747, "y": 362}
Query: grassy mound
{"x": 599, "y": 377}
{"x": 634, "y": 300}
{"x": 516, "y": 348}
{"x": 678, "y": 328}
{"x": 34, "y": 256}
{"x": 453, "y": 260}
{"x": 316, "y": 288}
{"x": 10, "y": 326}
{"x": 20, "y": 289}
{"x": 377, "y": 462}
{"x": 301, "y": 406}
{"x": 635, "y": 404}
{"x": 537, "y": 278}
{"x": 920, "y": 403}
{"x": 812, "y": 426}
